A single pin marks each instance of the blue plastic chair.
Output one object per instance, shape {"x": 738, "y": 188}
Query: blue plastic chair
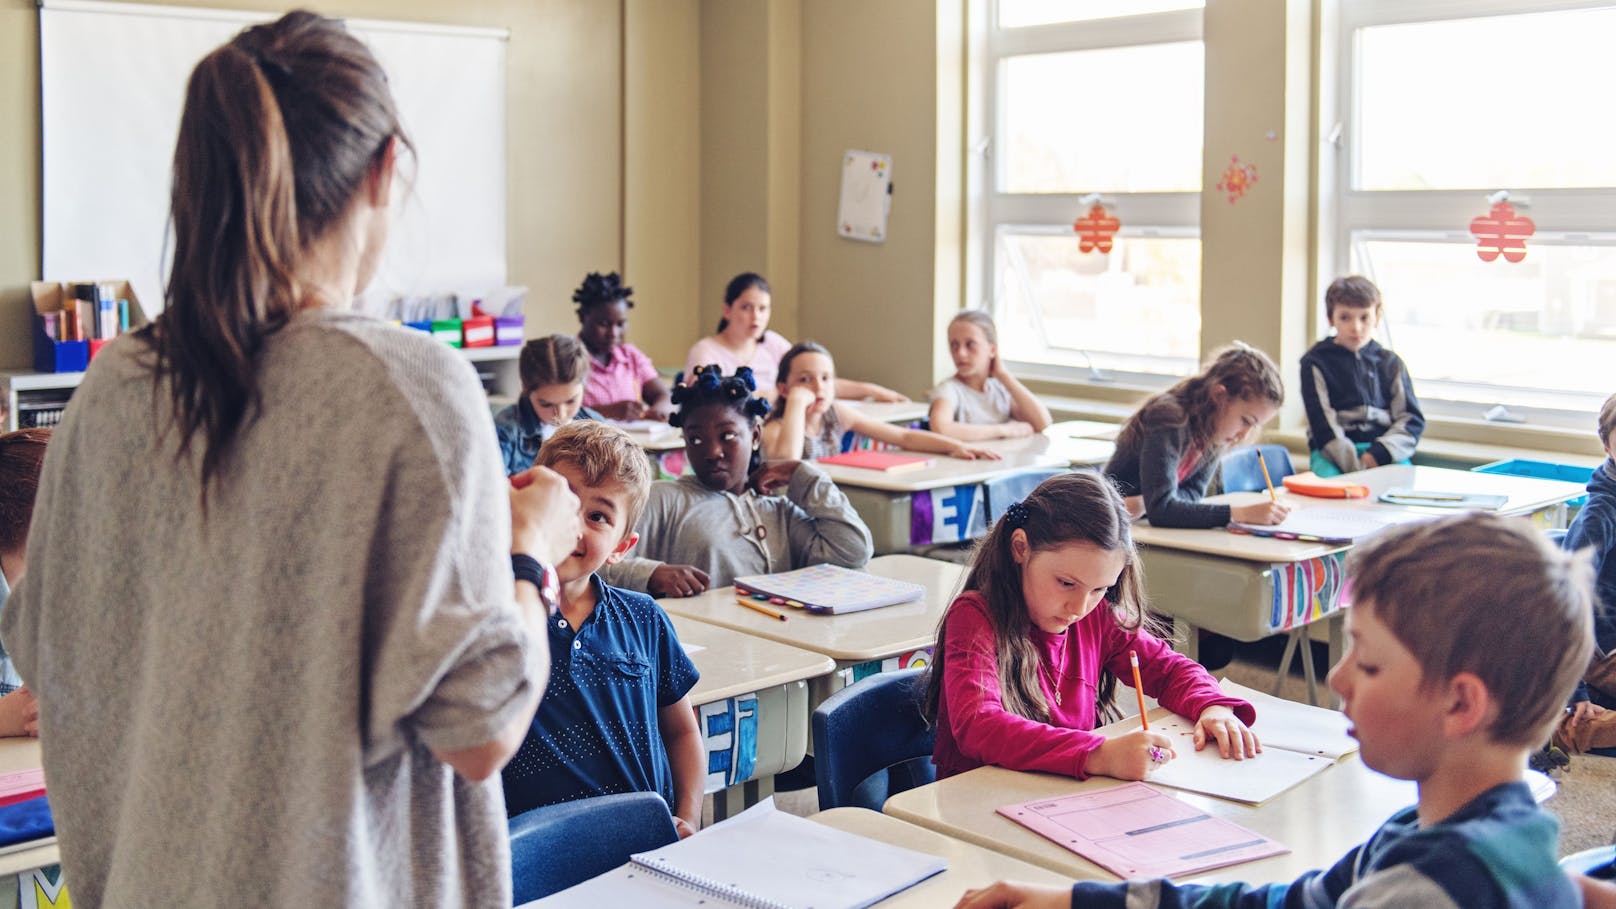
{"x": 1000, "y": 493}
{"x": 870, "y": 741}
{"x": 1241, "y": 472}
{"x": 557, "y": 846}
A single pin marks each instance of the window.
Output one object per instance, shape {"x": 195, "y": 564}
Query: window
{"x": 1087, "y": 97}
{"x": 1449, "y": 102}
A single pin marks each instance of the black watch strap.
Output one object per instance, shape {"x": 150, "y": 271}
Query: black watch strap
{"x": 539, "y": 575}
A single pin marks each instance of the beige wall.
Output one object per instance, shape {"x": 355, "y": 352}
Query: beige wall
{"x": 662, "y": 180}
{"x": 565, "y": 151}
{"x": 870, "y": 82}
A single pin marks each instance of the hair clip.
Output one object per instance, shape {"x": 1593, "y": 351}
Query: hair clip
{"x": 1017, "y": 515}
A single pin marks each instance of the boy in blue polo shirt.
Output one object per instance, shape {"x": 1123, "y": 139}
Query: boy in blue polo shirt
{"x": 1434, "y": 696}
{"x": 616, "y": 716}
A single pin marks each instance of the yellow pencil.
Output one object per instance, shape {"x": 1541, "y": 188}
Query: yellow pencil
{"x": 1264, "y": 465}
{"x": 754, "y": 605}
{"x": 1133, "y": 659}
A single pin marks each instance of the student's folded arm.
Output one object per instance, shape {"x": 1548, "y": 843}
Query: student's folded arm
{"x": 1166, "y": 503}
{"x": 823, "y": 527}
{"x": 1324, "y": 430}
{"x": 943, "y": 422}
{"x": 1399, "y": 440}
{"x": 1024, "y": 405}
{"x": 983, "y": 729}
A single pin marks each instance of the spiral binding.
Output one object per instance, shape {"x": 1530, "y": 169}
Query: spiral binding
{"x": 660, "y": 866}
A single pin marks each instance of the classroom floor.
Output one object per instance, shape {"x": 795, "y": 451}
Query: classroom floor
{"x": 1585, "y": 804}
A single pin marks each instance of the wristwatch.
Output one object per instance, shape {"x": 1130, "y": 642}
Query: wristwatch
{"x": 541, "y": 576}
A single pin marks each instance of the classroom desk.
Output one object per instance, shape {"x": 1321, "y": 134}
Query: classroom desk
{"x": 1319, "y": 819}
{"x": 24, "y": 870}
{"x": 1225, "y": 582}
{"x": 861, "y": 643}
{"x": 752, "y": 707}
{"x": 969, "y": 866}
{"x": 885, "y": 499}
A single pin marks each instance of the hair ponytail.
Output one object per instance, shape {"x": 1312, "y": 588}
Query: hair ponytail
{"x": 1077, "y": 507}
{"x": 280, "y": 130}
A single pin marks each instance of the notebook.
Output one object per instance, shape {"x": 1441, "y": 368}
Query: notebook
{"x": 1431, "y": 498}
{"x": 1135, "y": 831}
{"x": 877, "y": 460}
{"x": 1327, "y": 524}
{"x": 1298, "y": 740}
{"x": 760, "y": 859}
{"x": 21, "y": 785}
{"x": 828, "y": 589}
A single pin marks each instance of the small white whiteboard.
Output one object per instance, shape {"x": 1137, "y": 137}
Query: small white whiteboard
{"x": 866, "y": 196}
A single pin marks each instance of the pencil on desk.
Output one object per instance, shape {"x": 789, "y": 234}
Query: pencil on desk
{"x": 754, "y": 605}
{"x": 1138, "y": 689}
{"x": 1261, "y": 462}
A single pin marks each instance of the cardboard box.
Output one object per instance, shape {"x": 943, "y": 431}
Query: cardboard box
{"x": 508, "y": 330}
{"x": 477, "y": 331}
{"x": 447, "y": 331}
{"x": 66, "y": 351}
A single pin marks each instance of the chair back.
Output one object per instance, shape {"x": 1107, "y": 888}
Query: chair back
{"x": 1242, "y": 472}
{"x": 1000, "y": 493}
{"x": 870, "y": 741}
{"x": 557, "y": 846}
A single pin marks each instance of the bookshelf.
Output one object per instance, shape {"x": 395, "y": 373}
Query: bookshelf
{"x": 38, "y": 398}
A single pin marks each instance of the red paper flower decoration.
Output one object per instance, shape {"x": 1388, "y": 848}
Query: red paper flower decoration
{"x": 1095, "y": 230}
{"x": 1237, "y": 178}
{"x": 1501, "y": 231}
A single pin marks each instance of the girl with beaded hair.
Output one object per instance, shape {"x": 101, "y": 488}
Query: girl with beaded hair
{"x": 1028, "y": 655}
{"x": 735, "y": 514}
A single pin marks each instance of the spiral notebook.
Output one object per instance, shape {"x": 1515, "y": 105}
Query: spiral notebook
{"x": 760, "y": 859}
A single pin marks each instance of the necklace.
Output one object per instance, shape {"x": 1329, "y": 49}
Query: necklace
{"x": 1053, "y": 679}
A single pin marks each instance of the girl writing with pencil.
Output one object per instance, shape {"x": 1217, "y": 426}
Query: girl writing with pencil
{"x": 1170, "y": 448}
{"x": 1028, "y": 656}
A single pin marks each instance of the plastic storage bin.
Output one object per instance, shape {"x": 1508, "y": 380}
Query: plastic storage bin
{"x": 1543, "y": 470}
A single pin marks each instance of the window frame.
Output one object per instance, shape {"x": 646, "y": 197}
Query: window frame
{"x": 990, "y": 211}
{"x": 1581, "y": 215}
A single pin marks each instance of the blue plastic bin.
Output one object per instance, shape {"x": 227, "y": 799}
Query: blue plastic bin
{"x": 1543, "y": 470}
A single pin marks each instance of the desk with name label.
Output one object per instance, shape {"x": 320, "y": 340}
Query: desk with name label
{"x": 1319, "y": 819}
{"x": 1250, "y": 587}
{"x": 752, "y": 706}
{"x": 952, "y": 488}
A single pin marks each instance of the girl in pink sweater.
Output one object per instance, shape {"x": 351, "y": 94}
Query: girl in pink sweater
{"x": 1028, "y": 656}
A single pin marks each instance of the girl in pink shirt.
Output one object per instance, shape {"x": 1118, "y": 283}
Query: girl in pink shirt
{"x": 622, "y": 383}
{"x": 1028, "y": 656}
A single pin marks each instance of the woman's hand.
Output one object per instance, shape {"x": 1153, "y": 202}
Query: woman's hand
{"x": 772, "y": 476}
{"x": 19, "y": 714}
{"x": 1131, "y": 756}
{"x": 544, "y": 515}
{"x": 1235, "y": 739}
{"x": 1267, "y": 513}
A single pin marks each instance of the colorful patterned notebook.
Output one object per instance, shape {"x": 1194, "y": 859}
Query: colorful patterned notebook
{"x": 828, "y": 589}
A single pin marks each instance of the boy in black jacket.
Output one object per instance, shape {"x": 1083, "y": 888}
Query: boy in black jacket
{"x": 1361, "y": 409}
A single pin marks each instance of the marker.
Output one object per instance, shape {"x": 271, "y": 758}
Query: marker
{"x": 1270, "y": 483}
{"x": 1133, "y": 660}
{"x": 755, "y": 606}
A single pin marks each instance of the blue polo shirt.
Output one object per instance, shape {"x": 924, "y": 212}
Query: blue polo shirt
{"x": 596, "y": 730}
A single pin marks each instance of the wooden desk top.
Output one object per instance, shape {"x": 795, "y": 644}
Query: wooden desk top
{"x": 889, "y": 412}
{"x": 1525, "y": 495}
{"x": 23, "y": 754}
{"x": 1319, "y": 819}
{"x": 969, "y": 866}
{"x": 733, "y": 663}
{"x": 855, "y": 637}
{"x": 1033, "y": 452}
{"x": 672, "y": 440}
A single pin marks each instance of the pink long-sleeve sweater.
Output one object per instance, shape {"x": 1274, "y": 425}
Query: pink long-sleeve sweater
{"x": 974, "y": 728}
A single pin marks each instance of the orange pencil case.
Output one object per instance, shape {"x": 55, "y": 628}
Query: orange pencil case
{"x": 1311, "y": 484}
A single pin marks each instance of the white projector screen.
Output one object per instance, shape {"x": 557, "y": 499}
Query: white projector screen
{"x": 112, "y": 82}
